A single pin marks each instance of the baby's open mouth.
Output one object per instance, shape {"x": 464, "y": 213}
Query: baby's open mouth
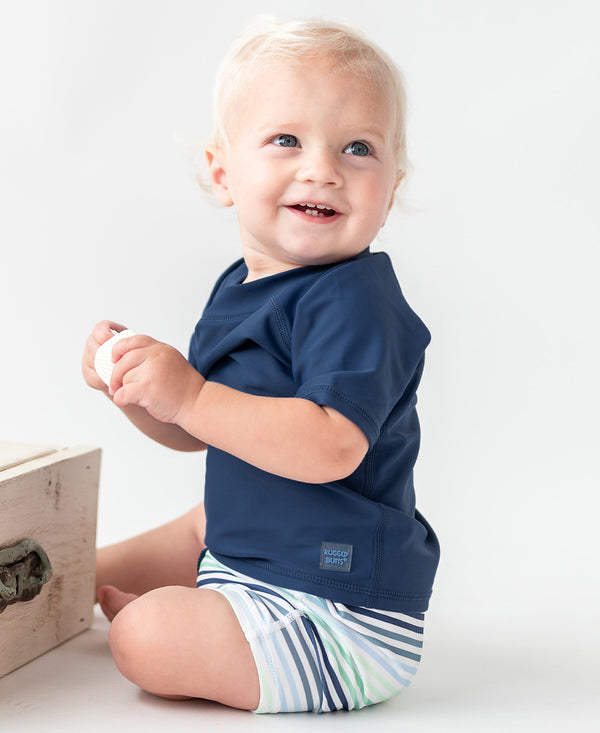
{"x": 314, "y": 209}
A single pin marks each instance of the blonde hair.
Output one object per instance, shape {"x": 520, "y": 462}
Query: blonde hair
{"x": 267, "y": 40}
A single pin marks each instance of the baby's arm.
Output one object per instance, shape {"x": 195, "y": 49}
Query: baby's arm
{"x": 291, "y": 437}
{"x": 165, "y": 433}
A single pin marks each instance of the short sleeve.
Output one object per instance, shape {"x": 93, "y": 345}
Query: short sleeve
{"x": 356, "y": 344}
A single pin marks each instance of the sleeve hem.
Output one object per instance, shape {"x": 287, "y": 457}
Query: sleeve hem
{"x": 326, "y": 395}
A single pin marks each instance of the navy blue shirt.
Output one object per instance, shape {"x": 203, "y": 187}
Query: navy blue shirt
{"x": 341, "y": 335}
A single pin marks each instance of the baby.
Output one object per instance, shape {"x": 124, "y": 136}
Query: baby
{"x": 315, "y": 567}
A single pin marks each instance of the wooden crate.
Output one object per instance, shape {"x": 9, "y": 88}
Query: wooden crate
{"x": 49, "y": 495}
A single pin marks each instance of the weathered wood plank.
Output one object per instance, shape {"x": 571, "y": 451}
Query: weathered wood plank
{"x": 13, "y": 454}
{"x": 51, "y": 499}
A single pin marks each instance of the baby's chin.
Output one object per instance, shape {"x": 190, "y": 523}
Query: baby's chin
{"x": 262, "y": 263}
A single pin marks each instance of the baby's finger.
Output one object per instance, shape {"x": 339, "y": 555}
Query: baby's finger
{"x": 128, "y": 394}
{"x": 122, "y": 369}
{"x": 106, "y": 357}
{"x": 105, "y": 330}
{"x": 129, "y": 341}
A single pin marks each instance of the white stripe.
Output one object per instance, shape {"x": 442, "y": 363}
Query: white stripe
{"x": 398, "y": 644}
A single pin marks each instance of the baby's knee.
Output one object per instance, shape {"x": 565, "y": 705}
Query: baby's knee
{"x": 128, "y": 638}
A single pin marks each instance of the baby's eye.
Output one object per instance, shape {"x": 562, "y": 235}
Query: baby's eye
{"x": 285, "y": 141}
{"x": 358, "y": 148}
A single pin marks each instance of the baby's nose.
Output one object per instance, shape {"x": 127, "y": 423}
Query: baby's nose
{"x": 319, "y": 166}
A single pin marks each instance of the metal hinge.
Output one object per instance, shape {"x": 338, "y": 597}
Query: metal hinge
{"x": 24, "y": 569}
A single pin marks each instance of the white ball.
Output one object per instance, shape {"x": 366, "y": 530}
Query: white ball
{"x": 103, "y": 363}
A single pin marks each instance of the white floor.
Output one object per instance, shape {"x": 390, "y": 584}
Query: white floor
{"x": 487, "y": 682}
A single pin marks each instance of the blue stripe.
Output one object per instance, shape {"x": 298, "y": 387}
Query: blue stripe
{"x": 377, "y": 615}
{"x": 383, "y": 632}
{"x": 286, "y": 632}
{"x": 322, "y": 656}
{"x": 252, "y": 586}
{"x": 275, "y": 614}
{"x": 259, "y": 589}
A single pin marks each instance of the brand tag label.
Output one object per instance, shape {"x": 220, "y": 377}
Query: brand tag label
{"x": 336, "y": 557}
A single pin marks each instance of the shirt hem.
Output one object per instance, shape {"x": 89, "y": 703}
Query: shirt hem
{"x": 328, "y": 588}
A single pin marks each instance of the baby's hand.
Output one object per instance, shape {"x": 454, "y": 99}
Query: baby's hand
{"x": 154, "y": 376}
{"x": 101, "y": 332}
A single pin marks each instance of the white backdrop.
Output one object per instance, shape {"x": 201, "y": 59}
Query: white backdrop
{"x": 100, "y": 105}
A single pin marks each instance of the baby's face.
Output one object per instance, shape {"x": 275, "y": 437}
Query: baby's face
{"x": 310, "y": 166}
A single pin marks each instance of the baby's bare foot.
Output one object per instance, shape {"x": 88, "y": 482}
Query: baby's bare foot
{"x": 112, "y": 600}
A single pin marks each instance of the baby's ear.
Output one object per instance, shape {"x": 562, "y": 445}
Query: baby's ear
{"x": 218, "y": 175}
{"x": 399, "y": 176}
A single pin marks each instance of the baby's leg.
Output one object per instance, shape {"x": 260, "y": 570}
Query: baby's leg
{"x": 185, "y": 643}
{"x": 167, "y": 555}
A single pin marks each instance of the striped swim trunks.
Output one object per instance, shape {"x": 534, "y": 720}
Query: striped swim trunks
{"x": 313, "y": 654}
